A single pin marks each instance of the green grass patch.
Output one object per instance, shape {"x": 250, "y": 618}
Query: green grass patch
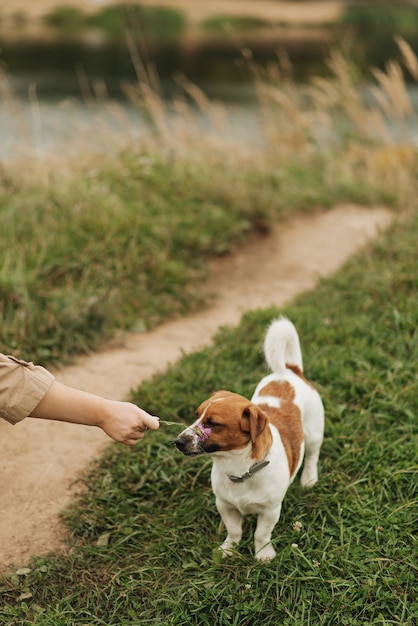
{"x": 125, "y": 246}
{"x": 228, "y": 23}
{"x": 144, "y": 532}
{"x": 121, "y": 247}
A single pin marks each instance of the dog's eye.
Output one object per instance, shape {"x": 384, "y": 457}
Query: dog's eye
{"x": 209, "y": 423}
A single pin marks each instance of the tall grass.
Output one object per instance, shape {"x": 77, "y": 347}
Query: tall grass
{"x": 360, "y": 133}
{"x": 144, "y": 531}
{"x": 123, "y": 247}
{"x": 104, "y": 242}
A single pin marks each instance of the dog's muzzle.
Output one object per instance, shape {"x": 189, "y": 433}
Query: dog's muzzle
{"x": 188, "y": 445}
{"x": 181, "y": 443}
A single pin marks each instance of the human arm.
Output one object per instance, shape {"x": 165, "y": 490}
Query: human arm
{"x": 122, "y": 421}
{"x": 22, "y": 386}
{"x": 31, "y": 390}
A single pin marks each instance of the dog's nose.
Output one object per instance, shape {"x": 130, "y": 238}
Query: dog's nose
{"x": 180, "y": 443}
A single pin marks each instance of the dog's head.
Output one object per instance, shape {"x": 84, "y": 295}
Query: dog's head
{"x": 226, "y": 421}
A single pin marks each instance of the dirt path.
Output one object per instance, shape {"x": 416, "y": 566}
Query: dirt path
{"x": 39, "y": 460}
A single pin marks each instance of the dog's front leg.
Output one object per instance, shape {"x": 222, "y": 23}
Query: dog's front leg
{"x": 232, "y": 519}
{"x": 266, "y": 521}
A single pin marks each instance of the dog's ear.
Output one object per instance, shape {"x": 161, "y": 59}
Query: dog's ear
{"x": 253, "y": 421}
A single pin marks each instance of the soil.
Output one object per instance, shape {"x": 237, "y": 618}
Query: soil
{"x": 41, "y": 460}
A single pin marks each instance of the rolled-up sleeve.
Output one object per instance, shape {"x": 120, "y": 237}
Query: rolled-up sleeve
{"x": 22, "y": 387}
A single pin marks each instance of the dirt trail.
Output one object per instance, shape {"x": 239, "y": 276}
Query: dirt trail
{"x": 39, "y": 460}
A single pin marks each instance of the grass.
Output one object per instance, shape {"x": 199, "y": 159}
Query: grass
{"x": 144, "y": 532}
{"x": 228, "y": 23}
{"x": 103, "y": 243}
{"x": 124, "y": 241}
{"x": 124, "y": 246}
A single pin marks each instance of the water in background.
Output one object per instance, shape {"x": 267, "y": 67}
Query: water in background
{"x": 56, "y": 87}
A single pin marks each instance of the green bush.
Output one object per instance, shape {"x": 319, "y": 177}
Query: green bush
{"x": 147, "y": 21}
{"x": 66, "y": 18}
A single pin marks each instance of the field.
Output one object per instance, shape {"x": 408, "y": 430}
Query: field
{"x": 144, "y": 534}
{"x": 147, "y": 217}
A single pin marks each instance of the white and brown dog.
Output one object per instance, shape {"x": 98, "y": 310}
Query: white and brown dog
{"x": 257, "y": 446}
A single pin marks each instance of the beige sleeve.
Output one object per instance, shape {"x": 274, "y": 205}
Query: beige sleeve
{"x": 22, "y": 387}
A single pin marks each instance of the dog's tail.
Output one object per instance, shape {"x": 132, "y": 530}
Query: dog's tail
{"x": 282, "y": 346}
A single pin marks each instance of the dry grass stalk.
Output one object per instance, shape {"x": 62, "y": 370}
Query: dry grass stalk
{"x": 410, "y": 60}
{"x": 328, "y": 117}
{"x": 393, "y": 85}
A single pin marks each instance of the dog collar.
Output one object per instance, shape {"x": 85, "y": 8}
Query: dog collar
{"x": 253, "y": 470}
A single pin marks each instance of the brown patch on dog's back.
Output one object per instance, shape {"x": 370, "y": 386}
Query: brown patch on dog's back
{"x": 287, "y": 419}
{"x": 296, "y": 370}
{"x": 277, "y": 389}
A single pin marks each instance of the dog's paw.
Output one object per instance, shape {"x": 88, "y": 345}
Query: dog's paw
{"x": 309, "y": 478}
{"x": 227, "y": 549}
{"x": 266, "y": 554}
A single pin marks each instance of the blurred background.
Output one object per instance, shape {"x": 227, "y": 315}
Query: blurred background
{"x": 65, "y": 62}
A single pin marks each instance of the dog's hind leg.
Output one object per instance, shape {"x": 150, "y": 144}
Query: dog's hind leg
{"x": 310, "y": 469}
{"x": 314, "y": 434}
{"x": 232, "y": 519}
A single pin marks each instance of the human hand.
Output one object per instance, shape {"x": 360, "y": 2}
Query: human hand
{"x": 122, "y": 421}
{"x": 125, "y": 422}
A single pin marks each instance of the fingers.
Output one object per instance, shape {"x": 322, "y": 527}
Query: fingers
{"x": 131, "y": 442}
{"x": 148, "y": 422}
{"x": 133, "y": 438}
{"x": 151, "y": 421}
